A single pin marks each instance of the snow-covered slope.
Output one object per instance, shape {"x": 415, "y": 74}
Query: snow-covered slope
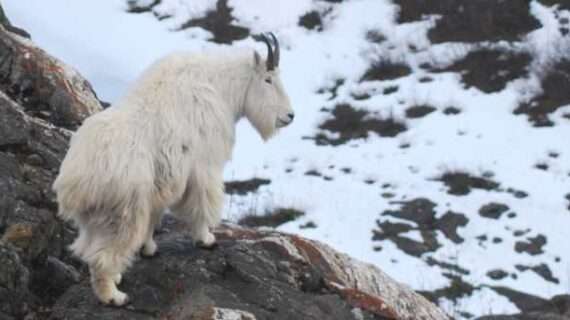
{"x": 425, "y": 165}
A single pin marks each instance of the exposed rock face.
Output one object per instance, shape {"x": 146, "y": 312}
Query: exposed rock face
{"x": 44, "y": 86}
{"x": 250, "y": 275}
{"x": 14, "y": 280}
{"x": 40, "y": 99}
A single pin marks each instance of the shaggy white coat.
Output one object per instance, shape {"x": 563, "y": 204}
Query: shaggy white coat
{"x": 163, "y": 145}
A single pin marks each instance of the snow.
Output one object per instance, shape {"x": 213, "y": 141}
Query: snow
{"x": 490, "y": 303}
{"x": 110, "y": 47}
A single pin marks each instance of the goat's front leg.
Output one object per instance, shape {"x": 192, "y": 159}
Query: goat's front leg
{"x": 201, "y": 205}
{"x": 149, "y": 248}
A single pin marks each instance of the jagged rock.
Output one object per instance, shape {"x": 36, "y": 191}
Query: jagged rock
{"x": 40, "y": 99}
{"x": 14, "y": 279}
{"x": 45, "y": 87}
{"x": 32, "y": 144}
{"x": 252, "y": 273}
{"x": 30, "y": 152}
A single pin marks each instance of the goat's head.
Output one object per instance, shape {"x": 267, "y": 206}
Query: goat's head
{"x": 267, "y": 105}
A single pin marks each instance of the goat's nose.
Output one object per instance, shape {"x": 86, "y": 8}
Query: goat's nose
{"x": 291, "y": 116}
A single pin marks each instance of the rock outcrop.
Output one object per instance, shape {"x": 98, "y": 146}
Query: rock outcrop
{"x": 42, "y": 85}
{"x": 252, "y": 274}
{"x": 40, "y": 100}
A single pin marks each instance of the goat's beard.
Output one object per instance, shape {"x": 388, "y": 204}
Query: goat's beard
{"x": 265, "y": 125}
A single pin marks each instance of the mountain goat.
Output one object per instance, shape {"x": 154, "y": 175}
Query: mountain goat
{"x": 163, "y": 145}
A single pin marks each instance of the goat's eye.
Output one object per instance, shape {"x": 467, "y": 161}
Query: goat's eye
{"x": 268, "y": 80}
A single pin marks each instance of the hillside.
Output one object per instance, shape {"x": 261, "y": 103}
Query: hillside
{"x": 430, "y": 136}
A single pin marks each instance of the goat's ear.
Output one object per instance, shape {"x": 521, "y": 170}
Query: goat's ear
{"x": 258, "y": 65}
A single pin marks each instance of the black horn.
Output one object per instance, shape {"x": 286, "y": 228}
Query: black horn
{"x": 277, "y": 50}
{"x": 270, "y": 57}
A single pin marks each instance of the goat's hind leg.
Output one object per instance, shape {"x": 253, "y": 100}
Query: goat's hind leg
{"x": 111, "y": 252}
{"x": 201, "y": 206}
{"x": 82, "y": 247}
{"x": 104, "y": 283}
{"x": 105, "y": 267}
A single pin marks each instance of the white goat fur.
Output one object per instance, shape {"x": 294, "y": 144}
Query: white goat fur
{"x": 163, "y": 145}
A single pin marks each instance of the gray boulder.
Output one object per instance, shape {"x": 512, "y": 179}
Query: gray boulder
{"x": 251, "y": 274}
